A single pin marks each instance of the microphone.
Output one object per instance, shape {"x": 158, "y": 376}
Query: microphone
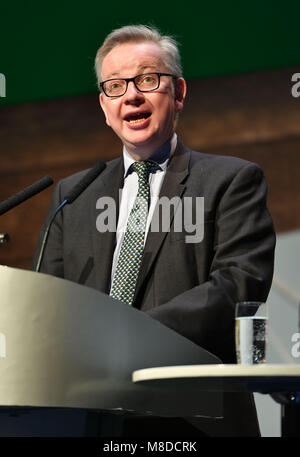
{"x": 85, "y": 181}
{"x": 4, "y": 238}
{"x": 25, "y": 194}
{"x": 70, "y": 197}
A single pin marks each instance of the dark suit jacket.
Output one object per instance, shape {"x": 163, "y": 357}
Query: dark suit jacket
{"x": 190, "y": 287}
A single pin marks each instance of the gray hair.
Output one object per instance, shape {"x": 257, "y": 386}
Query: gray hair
{"x": 139, "y": 33}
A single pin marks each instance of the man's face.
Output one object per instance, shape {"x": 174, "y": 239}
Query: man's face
{"x": 143, "y": 120}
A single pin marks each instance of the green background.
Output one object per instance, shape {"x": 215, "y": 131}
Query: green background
{"x": 47, "y": 48}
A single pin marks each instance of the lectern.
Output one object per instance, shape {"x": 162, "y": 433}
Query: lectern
{"x": 67, "y": 349}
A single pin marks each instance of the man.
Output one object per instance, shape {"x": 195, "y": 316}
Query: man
{"x": 191, "y": 287}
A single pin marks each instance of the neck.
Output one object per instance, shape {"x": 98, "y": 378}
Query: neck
{"x": 139, "y": 154}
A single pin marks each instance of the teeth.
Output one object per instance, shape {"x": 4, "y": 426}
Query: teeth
{"x": 136, "y": 118}
{"x": 136, "y": 121}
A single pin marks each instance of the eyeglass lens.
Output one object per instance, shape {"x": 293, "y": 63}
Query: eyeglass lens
{"x": 145, "y": 83}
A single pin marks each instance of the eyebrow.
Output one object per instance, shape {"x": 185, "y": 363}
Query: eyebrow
{"x": 140, "y": 69}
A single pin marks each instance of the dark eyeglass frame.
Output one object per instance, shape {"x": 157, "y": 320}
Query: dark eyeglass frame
{"x": 128, "y": 80}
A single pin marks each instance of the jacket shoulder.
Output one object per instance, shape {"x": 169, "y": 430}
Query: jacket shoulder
{"x": 221, "y": 165}
{"x": 70, "y": 181}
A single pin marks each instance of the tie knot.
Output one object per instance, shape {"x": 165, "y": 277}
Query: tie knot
{"x": 143, "y": 168}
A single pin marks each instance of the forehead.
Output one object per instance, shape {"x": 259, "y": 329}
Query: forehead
{"x": 129, "y": 59}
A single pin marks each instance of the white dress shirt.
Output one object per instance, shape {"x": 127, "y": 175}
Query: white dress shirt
{"x": 130, "y": 189}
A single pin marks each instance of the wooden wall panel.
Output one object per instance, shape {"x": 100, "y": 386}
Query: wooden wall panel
{"x": 252, "y": 116}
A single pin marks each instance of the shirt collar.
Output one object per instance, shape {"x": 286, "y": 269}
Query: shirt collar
{"x": 161, "y": 156}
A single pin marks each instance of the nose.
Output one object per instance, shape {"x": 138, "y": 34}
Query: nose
{"x": 133, "y": 96}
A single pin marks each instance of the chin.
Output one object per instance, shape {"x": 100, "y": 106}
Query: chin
{"x": 140, "y": 141}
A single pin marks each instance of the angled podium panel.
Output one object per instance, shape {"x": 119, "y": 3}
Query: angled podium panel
{"x": 63, "y": 345}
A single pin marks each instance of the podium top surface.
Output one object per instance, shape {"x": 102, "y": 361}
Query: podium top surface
{"x": 226, "y": 377}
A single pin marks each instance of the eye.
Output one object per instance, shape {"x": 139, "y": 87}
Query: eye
{"x": 114, "y": 86}
{"x": 148, "y": 79}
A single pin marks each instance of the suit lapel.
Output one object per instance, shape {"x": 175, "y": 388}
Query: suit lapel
{"x": 172, "y": 186}
{"x": 104, "y": 242}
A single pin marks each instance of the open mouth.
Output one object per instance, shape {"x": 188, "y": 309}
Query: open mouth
{"x": 136, "y": 118}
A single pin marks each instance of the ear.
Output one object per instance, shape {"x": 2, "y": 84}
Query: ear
{"x": 102, "y": 104}
{"x": 180, "y": 92}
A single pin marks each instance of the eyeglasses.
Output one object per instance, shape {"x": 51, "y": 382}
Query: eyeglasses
{"x": 144, "y": 83}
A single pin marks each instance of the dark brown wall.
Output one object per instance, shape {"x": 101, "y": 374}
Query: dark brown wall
{"x": 251, "y": 116}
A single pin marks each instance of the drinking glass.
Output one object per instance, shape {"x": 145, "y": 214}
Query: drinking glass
{"x": 251, "y": 325}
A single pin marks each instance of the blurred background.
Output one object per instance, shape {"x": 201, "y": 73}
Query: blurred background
{"x": 238, "y": 59}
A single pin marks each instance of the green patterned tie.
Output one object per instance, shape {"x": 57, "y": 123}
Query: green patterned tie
{"x": 130, "y": 257}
